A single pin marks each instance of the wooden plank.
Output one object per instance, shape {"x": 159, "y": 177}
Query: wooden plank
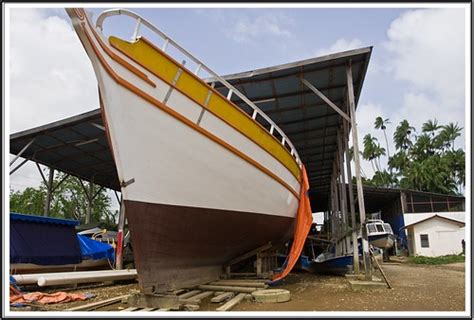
{"x": 241, "y": 280}
{"x": 179, "y": 291}
{"x": 191, "y": 307}
{"x": 381, "y": 271}
{"x": 98, "y": 304}
{"x": 147, "y": 309}
{"x": 163, "y": 309}
{"x": 189, "y": 294}
{"x": 253, "y": 284}
{"x": 129, "y": 309}
{"x": 218, "y": 293}
{"x": 233, "y": 302}
{"x": 228, "y": 288}
{"x": 249, "y": 254}
{"x": 197, "y": 298}
{"x": 222, "y": 297}
{"x": 202, "y": 295}
{"x": 154, "y": 301}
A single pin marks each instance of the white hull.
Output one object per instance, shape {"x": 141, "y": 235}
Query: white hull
{"x": 172, "y": 163}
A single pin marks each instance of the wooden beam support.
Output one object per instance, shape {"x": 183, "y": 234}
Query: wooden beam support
{"x": 325, "y": 99}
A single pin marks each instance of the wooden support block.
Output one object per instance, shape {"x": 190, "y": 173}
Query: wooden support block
{"x": 98, "y": 304}
{"x": 233, "y": 302}
{"x": 154, "y": 301}
{"x": 228, "y": 288}
{"x": 222, "y": 297}
{"x": 218, "y": 293}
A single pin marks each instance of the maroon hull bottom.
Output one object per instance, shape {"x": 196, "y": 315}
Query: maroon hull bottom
{"x": 177, "y": 246}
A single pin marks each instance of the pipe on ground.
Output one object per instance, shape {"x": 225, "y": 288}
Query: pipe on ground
{"x": 23, "y": 279}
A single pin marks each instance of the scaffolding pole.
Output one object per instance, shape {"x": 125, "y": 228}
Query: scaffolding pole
{"x": 340, "y": 148}
{"x": 355, "y": 246}
{"x": 360, "y": 190}
{"x": 121, "y": 225}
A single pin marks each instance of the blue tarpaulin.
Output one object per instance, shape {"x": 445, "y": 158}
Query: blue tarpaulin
{"x": 43, "y": 240}
{"x": 95, "y": 250}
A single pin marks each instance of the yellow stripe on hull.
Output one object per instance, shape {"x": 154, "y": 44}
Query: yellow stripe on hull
{"x": 165, "y": 67}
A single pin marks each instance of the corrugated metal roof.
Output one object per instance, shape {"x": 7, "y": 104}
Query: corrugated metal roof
{"x": 78, "y": 145}
{"x": 39, "y": 219}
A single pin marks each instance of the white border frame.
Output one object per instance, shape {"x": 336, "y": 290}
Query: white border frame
{"x": 273, "y": 314}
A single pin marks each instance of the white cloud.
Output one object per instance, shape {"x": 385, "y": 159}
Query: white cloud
{"x": 427, "y": 50}
{"x": 50, "y": 74}
{"x": 340, "y": 45}
{"x": 245, "y": 29}
{"x": 51, "y": 77}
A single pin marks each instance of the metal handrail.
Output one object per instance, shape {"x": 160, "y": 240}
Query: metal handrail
{"x": 232, "y": 90}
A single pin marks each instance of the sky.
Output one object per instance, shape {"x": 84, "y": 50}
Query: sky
{"x": 416, "y": 71}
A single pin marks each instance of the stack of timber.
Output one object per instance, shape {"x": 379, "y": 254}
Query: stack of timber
{"x": 228, "y": 292}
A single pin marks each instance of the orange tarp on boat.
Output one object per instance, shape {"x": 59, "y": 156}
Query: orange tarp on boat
{"x": 304, "y": 219}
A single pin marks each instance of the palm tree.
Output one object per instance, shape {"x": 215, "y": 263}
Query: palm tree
{"x": 369, "y": 149}
{"x": 381, "y": 123}
{"x": 401, "y": 137}
{"x": 430, "y": 127}
{"x": 422, "y": 148}
{"x": 451, "y": 132}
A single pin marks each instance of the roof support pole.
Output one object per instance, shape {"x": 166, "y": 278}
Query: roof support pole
{"x": 49, "y": 195}
{"x": 360, "y": 189}
{"x": 324, "y": 98}
{"x": 18, "y": 166}
{"x": 88, "y": 193}
{"x": 340, "y": 148}
{"x": 21, "y": 151}
{"x": 340, "y": 202}
{"x": 355, "y": 247}
{"x": 336, "y": 210}
{"x": 332, "y": 215}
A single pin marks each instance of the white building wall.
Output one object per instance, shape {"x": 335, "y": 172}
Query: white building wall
{"x": 444, "y": 237}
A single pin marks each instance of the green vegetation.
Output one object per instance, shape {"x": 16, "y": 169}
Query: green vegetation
{"x": 69, "y": 201}
{"x": 437, "y": 260}
{"x": 427, "y": 161}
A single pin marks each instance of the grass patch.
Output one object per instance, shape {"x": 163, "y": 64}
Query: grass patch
{"x": 437, "y": 260}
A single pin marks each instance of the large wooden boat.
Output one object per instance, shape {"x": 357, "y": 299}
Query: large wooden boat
{"x": 202, "y": 180}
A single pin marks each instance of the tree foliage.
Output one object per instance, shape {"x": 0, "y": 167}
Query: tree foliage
{"x": 69, "y": 201}
{"x": 427, "y": 161}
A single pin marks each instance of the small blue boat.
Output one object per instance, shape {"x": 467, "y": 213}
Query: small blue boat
{"x": 327, "y": 262}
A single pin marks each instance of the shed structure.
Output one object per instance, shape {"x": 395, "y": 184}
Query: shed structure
{"x": 313, "y": 101}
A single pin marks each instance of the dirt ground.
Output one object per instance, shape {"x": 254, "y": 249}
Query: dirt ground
{"x": 415, "y": 288}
